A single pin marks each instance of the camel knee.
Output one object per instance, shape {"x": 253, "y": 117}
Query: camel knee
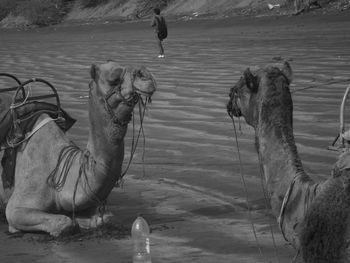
{"x": 13, "y": 217}
{"x": 16, "y": 218}
{"x": 28, "y": 219}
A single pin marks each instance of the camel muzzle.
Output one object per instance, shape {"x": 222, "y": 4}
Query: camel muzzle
{"x": 232, "y": 108}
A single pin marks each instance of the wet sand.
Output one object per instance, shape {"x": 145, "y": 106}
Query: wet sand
{"x": 191, "y": 192}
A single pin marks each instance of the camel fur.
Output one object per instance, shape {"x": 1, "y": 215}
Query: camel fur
{"x": 313, "y": 217}
{"x": 53, "y": 196}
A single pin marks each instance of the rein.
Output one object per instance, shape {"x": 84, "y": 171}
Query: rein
{"x": 247, "y": 195}
{"x": 245, "y": 188}
{"x": 135, "y": 140}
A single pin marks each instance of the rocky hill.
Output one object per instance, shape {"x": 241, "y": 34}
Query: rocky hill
{"x": 20, "y": 13}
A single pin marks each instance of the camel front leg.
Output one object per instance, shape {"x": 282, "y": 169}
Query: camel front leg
{"x": 28, "y": 219}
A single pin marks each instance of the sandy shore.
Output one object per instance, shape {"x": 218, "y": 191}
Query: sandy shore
{"x": 191, "y": 192}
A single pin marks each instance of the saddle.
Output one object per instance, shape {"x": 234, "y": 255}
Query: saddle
{"x": 18, "y": 115}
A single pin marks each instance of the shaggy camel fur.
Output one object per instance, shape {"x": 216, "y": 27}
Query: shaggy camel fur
{"x": 313, "y": 217}
{"x": 53, "y": 199}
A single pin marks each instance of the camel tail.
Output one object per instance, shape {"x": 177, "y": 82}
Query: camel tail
{"x": 322, "y": 238}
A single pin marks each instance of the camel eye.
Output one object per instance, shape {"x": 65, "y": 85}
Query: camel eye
{"x": 139, "y": 74}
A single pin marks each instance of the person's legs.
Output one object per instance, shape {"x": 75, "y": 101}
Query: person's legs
{"x": 160, "y": 46}
{"x": 161, "y": 49}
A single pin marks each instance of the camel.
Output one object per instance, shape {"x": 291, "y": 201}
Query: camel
{"x": 313, "y": 216}
{"x": 59, "y": 186}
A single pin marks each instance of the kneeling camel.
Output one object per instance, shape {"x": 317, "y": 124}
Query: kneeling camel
{"x": 56, "y": 184}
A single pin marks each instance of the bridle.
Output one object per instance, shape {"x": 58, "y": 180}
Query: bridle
{"x": 116, "y": 91}
{"x": 234, "y": 92}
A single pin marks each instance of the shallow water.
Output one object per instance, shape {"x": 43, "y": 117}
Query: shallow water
{"x": 189, "y": 136}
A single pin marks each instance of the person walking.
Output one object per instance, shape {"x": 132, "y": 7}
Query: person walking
{"x": 161, "y": 30}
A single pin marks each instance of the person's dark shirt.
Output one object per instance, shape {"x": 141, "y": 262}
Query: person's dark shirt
{"x": 155, "y": 20}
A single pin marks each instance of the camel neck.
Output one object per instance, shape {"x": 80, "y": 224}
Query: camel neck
{"x": 104, "y": 169}
{"x": 106, "y": 139}
{"x": 106, "y": 154}
{"x": 103, "y": 151}
{"x": 279, "y": 158}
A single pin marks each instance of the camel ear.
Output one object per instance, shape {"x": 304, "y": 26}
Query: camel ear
{"x": 93, "y": 72}
{"x": 287, "y": 71}
{"x": 251, "y": 80}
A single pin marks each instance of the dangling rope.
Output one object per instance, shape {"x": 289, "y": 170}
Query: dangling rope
{"x": 322, "y": 84}
{"x": 246, "y": 189}
{"x": 84, "y": 160}
{"x": 57, "y": 179}
{"x": 267, "y": 198}
{"x": 58, "y": 176}
{"x": 143, "y": 136}
{"x": 135, "y": 138}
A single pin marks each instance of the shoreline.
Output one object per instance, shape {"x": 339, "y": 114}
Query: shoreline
{"x": 180, "y": 19}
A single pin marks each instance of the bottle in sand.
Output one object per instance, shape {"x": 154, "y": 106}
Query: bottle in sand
{"x": 140, "y": 236}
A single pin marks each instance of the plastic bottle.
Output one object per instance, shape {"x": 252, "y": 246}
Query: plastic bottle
{"x": 140, "y": 236}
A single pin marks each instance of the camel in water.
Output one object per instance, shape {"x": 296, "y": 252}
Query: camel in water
{"x": 313, "y": 217}
{"x": 58, "y": 186}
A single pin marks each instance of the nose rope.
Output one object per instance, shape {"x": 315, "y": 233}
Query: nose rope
{"x": 135, "y": 140}
{"x": 246, "y": 189}
{"x": 247, "y": 196}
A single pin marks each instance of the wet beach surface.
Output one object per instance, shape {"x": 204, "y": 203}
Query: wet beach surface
{"x": 191, "y": 190}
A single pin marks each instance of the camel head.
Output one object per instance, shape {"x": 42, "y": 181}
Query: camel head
{"x": 114, "y": 92}
{"x": 258, "y": 90}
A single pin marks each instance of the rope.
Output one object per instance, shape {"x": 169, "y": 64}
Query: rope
{"x": 267, "y": 198}
{"x": 246, "y": 189}
{"x": 326, "y": 83}
{"x": 135, "y": 140}
{"x": 14, "y": 106}
{"x": 84, "y": 160}
{"x": 58, "y": 179}
{"x": 143, "y": 136}
{"x": 66, "y": 156}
